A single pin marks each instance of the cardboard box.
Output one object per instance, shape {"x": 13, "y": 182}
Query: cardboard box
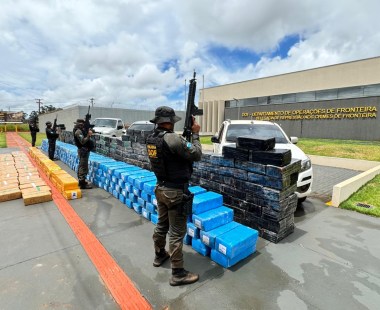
{"x": 26, "y": 180}
{"x": 9, "y": 182}
{"x": 37, "y": 189}
{"x": 33, "y": 184}
{"x": 10, "y": 194}
{"x": 36, "y": 197}
{"x": 72, "y": 194}
{"x": 68, "y": 183}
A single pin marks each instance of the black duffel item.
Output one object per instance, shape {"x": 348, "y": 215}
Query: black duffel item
{"x": 255, "y": 144}
{"x": 277, "y": 157}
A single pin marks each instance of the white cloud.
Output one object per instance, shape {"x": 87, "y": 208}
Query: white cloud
{"x": 139, "y": 52}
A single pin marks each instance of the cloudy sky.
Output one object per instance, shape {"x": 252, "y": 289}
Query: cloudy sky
{"x": 142, "y": 53}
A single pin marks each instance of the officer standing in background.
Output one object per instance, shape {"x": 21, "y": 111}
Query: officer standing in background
{"x": 171, "y": 158}
{"x": 33, "y": 128}
{"x": 52, "y": 137}
{"x": 83, "y": 142}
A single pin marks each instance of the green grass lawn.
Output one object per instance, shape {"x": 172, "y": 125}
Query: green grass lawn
{"x": 205, "y": 140}
{"x": 355, "y": 149}
{"x": 28, "y": 137}
{"x": 368, "y": 194}
{"x": 3, "y": 142}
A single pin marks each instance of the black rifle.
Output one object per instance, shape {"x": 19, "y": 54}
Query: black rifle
{"x": 191, "y": 109}
{"x": 55, "y": 123}
{"x": 87, "y": 127}
{"x": 87, "y": 124}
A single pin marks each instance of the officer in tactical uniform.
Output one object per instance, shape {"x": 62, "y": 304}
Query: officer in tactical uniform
{"x": 52, "y": 137}
{"x": 33, "y": 128}
{"x": 84, "y": 147}
{"x": 171, "y": 158}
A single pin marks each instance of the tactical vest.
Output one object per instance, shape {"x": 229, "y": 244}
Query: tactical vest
{"x": 167, "y": 166}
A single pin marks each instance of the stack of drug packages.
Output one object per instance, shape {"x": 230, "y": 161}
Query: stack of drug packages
{"x": 34, "y": 189}
{"x": 212, "y": 232}
{"x": 62, "y": 180}
{"x": 23, "y": 180}
{"x": 275, "y": 173}
{"x": 9, "y": 188}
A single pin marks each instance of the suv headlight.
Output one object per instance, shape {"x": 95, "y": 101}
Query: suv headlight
{"x": 305, "y": 165}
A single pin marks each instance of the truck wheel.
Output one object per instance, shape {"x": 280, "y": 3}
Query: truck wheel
{"x": 301, "y": 200}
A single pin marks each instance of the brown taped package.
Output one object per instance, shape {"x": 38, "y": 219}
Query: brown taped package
{"x": 10, "y": 194}
{"x": 36, "y": 197}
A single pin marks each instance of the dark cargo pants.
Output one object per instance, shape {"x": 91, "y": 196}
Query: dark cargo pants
{"x": 170, "y": 220}
{"x": 83, "y": 164}
{"x": 51, "y": 149}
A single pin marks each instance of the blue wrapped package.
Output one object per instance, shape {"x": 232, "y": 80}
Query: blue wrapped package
{"x": 122, "y": 198}
{"x": 136, "y": 191}
{"x": 143, "y": 173}
{"x": 192, "y": 231}
{"x": 117, "y": 172}
{"x": 149, "y": 187}
{"x": 120, "y": 165}
{"x": 141, "y": 202}
{"x": 124, "y": 175}
{"x": 137, "y": 207}
{"x": 206, "y": 201}
{"x": 128, "y": 203}
{"x": 151, "y": 207}
{"x": 201, "y": 248}
{"x": 187, "y": 240}
{"x": 145, "y": 213}
{"x": 236, "y": 241}
{"x": 154, "y": 218}
{"x": 227, "y": 262}
{"x": 208, "y": 237}
{"x": 139, "y": 182}
{"x": 213, "y": 218}
{"x": 197, "y": 190}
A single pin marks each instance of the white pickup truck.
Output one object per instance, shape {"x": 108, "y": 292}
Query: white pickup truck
{"x": 231, "y": 129}
{"x": 108, "y": 126}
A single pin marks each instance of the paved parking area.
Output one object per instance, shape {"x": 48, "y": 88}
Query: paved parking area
{"x": 326, "y": 177}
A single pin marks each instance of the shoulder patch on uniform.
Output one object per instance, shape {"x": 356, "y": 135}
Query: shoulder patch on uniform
{"x": 188, "y": 145}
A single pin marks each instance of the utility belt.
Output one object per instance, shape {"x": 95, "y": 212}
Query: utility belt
{"x": 183, "y": 186}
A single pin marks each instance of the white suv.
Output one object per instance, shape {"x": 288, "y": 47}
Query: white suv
{"x": 231, "y": 129}
{"x": 108, "y": 126}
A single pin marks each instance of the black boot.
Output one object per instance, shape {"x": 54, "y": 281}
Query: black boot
{"x": 181, "y": 276}
{"x": 160, "y": 258}
{"x": 84, "y": 185}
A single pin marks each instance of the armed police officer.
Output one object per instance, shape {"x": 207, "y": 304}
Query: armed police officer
{"x": 171, "y": 158}
{"x": 33, "y": 128}
{"x": 84, "y": 143}
{"x": 52, "y": 136}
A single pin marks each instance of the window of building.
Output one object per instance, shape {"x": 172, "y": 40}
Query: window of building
{"x": 328, "y": 94}
{"x": 305, "y": 96}
{"x": 371, "y": 90}
{"x": 262, "y": 100}
{"x": 350, "y": 92}
{"x": 288, "y": 98}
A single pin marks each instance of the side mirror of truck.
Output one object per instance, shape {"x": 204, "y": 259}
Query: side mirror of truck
{"x": 294, "y": 140}
{"x": 120, "y": 127}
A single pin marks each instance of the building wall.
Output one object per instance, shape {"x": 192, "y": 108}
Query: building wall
{"x": 330, "y": 119}
{"x": 70, "y": 115}
{"x": 356, "y": 73}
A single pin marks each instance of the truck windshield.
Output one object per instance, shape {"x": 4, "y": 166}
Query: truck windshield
{"x": 105, "y": 123}
{"x": 262, "y": 131}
